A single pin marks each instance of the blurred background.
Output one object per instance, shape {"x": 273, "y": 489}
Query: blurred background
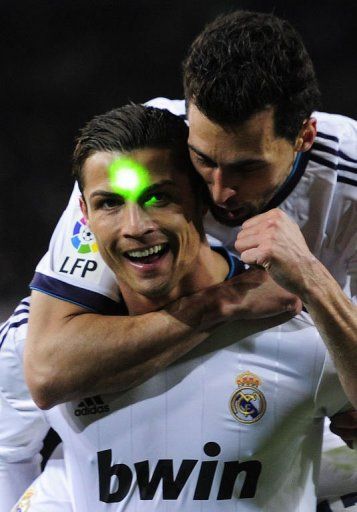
{"x": 63, "y": 61}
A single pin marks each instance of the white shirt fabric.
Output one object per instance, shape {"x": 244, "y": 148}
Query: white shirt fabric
{"x": 166, "y": 423}
{"x": 48, "y": 493}
{"x": 171, "y": 418}
{"x": 174, "y": 443}
{"x": 22, "y": 425}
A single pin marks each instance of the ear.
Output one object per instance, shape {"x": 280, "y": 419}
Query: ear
{"x": 306, "y": 136}
{"x": 83, "y": 205}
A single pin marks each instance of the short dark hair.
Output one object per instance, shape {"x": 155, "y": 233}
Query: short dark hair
{"x": 245, "y": 62}
{"x": 128, "y": 128}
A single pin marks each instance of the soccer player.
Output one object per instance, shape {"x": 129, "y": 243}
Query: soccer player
{"x": 23, "y": 426}
{"x": 235, "y": 423}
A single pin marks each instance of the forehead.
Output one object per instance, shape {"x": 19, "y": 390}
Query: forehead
{"x": 160, "y": 163}
{"x": 254, "y": 137}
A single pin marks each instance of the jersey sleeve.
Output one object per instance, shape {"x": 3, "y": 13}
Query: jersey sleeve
{"x": 72, "y": 269}
{"x": 334, "y": 160}
{"x": 177, "y": 107}
{"x": 330, "y": 397}
{"x": 23, "y": 425}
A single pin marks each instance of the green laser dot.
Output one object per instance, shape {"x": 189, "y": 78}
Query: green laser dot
{"x": 152, "y": 201}
{"x": 128, "y": 178}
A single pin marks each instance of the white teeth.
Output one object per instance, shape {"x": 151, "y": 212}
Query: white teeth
{"x": 146, "y": 252}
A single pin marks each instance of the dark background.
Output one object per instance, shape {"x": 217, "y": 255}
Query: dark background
{"x": 63, "y": 61}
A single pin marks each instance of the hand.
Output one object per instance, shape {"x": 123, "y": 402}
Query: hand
{"x": 344, "y": 425}
{"x": 273, "y": 241}
{"x": 251, "y": 295}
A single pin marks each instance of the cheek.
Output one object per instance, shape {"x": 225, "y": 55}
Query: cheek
{"x": 190, "y": 241}
{"x": 104, "y": 232}
{"x": 259, "y": 184}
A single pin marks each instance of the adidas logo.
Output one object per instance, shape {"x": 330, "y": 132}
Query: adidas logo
{"x": 93, "y": 405}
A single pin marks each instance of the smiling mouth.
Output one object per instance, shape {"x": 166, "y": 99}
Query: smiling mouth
{"x": 147, "y": 255}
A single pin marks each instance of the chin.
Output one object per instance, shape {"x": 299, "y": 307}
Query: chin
{"x": 156, "y": 292}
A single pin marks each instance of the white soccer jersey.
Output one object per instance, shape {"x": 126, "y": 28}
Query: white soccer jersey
{"x": 22, "y": 424}
{"x": 321, "y": 197}
{"x": 232, "y": 426}
{"x": 48, "y": 493}
{"x": 253, "y": 410}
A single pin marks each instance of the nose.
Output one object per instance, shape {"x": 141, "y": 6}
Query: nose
{"x": 136, "y": 222}
{"x": 220, "y": 190}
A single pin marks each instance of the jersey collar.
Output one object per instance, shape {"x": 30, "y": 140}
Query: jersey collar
{"x": 290, "y": 183}
{"x": 236, "y": 266}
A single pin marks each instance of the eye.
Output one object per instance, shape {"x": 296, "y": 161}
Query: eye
{"x": 157, "y": 199}
{"x": 109, "y": 203}
{"x": 203, "y": 162}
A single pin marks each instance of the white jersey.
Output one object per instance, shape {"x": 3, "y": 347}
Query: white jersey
{"x": 215, "y": 429}
{"x": 235, "y": 425}
{"x": 22, "y": 424}
{"x": 321, "y": 197}
{"x": 48, "y": 493}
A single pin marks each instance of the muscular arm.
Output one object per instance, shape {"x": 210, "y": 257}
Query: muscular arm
{"x": 336, "y": 320}
{"x": 71, "y": 353}
{"x": 275, "y": 242}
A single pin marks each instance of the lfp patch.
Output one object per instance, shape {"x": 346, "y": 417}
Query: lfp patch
{"x": 247, "y": 404}
{"x": 82, "y": 238}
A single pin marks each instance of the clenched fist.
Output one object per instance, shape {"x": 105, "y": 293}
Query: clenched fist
{"x": 273, "y": 241}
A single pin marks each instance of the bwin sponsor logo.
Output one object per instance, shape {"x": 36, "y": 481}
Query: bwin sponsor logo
{"x": 94, "y": 405}
{"x": 173, "y": 485}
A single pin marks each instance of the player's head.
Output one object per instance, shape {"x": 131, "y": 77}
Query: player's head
{"x": 149, "y": 237}
{"x": 251, "y": 88}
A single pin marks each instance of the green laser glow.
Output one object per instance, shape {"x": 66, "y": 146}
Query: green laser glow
{"x": 152, "y": 201}
{"x": 128, "y": 178}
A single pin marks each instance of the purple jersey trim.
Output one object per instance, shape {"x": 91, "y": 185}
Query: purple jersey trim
{"x": 97, "y": 302}
{"x": 80, "y": 296}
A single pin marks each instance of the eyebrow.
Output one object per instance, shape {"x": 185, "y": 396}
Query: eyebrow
{"x": 151, "y": 188}
{"x": 103, "y": 193}
{"x": 240, "y": 162}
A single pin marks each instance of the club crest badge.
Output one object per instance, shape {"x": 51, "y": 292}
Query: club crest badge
{"x": 24, "y": 504}
{"x": 247, "y": 404}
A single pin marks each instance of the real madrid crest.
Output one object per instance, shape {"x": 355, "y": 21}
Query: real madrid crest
{"x": 247, "y": 404}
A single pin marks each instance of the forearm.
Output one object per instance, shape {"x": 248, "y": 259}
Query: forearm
{"x": 71, "y": 353}
{"x": 336, "y": 320}
{"x": 87, "y": 354}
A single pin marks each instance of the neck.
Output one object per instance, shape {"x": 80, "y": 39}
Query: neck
{"x": 209, "y": 269}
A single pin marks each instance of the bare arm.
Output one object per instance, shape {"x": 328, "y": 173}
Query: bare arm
{"x": 275, "y": 242}
{"x": 336, "y": 320}
{"x": 71, "y": 353}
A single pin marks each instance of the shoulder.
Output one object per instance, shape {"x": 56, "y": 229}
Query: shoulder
{"x": 13, "y": 331}
{"x": 336, "y": 126}
{"x": 177, "y": 107}
{"x": 336, "y": 140}
{"x": 335, "y": 150}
